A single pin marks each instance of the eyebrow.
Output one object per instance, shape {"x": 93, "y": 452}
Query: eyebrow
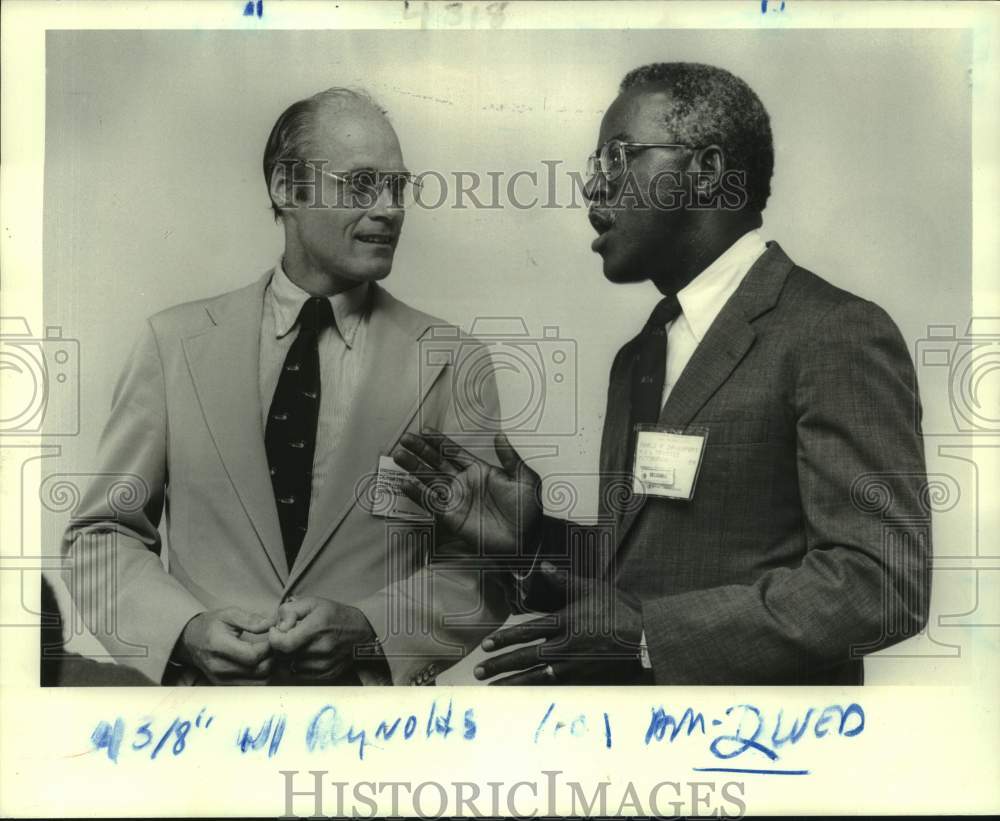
{"x": 375, "y": 169}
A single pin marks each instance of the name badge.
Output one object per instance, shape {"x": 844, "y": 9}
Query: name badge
{"x": 391, "y": 502}
{"x": 667, "y": 461}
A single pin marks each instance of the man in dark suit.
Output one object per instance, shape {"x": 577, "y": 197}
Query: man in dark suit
{"x": 748, "y": 426}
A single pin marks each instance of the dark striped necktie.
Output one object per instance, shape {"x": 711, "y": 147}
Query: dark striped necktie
{"x": 290, "y": 433}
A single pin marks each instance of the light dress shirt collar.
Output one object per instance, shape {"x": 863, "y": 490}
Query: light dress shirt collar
{"x": 703, "y": 297}
{"x": 349, "y": 306}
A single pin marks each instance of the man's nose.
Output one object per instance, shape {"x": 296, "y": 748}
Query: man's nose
{"x": 596, "y": 188}
{"x": 385, "y": 205}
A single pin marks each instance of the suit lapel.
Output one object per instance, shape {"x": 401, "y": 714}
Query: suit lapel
{"x": 615, "y": 473}
{"x": 724, "y": 345}
{"x": 225, "y": 365}
{"x": 394, "y": 382}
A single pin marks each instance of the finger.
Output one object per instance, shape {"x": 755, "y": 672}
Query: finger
{"x": 251, "y": 622}
{"x": 293, "y": 610}
{"x": 451, "y": 450}
{"x": 407, "y": 460}
{"x": 244, "y": 654}
{"x": 427, "y": 451}
{"x": 253, "y": 638}
{"x": 508, "y": 662}
{"x": 521, "y": 633}
{"x": 435, "y": 494}
{"x": 412, "y": 489}
{"x": 545, "y": 674}
{"x": 263, "y": 670}
{"x": 418, "y": 468}
{"x": 286, "y": 621}
{"x": 302, "y": 633}
{"x": 511, "y": 460}
{"x": 558, "y": 579}
{"x": 287, "y": 642}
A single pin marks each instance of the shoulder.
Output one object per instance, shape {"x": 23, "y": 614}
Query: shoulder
{"x": 198, "y": 314}
{"x": 836, "y": 331}
{"x": 416, "y": 323}
{"x": 814, "y": 304}
{"x": 814, "y": 296}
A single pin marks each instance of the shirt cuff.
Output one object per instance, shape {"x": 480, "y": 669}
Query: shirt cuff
{"x": 644, "y": 659}
{"x": 521, "y": 577}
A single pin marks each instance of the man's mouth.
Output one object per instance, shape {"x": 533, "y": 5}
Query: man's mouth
{"x": 376, "y": 239}
{"x": 602, "y": 222}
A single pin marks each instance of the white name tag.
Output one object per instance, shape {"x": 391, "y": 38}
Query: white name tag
{"x": 391, "y": 502}
{"x": 667, "y": 462}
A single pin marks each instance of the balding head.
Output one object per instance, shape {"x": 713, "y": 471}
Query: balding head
{"x": 336, "y": 125}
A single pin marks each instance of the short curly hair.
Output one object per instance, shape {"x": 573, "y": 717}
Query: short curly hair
{"x": 289, "y": 139}
{"x": 712, "y": 106}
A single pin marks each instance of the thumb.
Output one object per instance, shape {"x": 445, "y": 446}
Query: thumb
{"x": 291, "y": 611}
{"x": 509, "y": 458}
{"x": 564, "y": 585}
{"x": 251, "y": 622}
{"x": 554, "y": 576}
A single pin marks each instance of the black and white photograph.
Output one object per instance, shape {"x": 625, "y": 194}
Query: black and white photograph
{"x": 475, "y": 346}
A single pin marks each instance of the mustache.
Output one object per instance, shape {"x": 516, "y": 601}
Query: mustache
{"x": 600, "y": 219}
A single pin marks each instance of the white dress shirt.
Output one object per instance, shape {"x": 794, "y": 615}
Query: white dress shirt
{"x": 341, "y": 352}
{"x": 702, "y": 299}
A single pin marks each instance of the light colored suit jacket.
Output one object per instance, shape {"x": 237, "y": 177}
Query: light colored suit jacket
{"x": 807, "y": 543}
{"x": 185, "y": 439}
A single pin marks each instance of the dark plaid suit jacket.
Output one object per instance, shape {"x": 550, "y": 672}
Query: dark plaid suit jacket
{"x": 807, "y": 542}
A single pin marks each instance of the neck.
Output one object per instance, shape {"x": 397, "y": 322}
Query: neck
{"x": 705, "y": 244}
{"x": 310, "y": 276}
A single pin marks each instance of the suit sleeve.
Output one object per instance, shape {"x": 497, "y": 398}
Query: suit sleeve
{"x": 112, "y": 544}
{"x": 459, "y": 601}
{"x": 859, "y": 587}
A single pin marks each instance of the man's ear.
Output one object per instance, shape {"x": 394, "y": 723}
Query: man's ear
{"x": 280, "y": 187}
{"x": 712, "y": 160}
{"x": 708, "y": 167}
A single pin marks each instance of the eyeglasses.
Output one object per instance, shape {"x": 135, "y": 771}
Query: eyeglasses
{"x": 363, "y": 188}
{"x": 610, "y": 161}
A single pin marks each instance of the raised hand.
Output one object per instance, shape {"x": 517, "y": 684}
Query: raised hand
{"x": 494, "y": 511}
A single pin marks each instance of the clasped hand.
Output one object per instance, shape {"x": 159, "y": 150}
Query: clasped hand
{"x": 314, "y": 638}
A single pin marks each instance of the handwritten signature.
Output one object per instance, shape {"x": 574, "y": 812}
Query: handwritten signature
{"x": 743, "y": 734}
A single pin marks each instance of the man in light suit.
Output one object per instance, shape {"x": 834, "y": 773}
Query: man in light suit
{"x": 254, "y": 420}
{"x": 771, "y": 526}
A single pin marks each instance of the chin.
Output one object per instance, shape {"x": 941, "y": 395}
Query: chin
{"x": 371, "y": 273}
{"x": 379, "y": 273}
{"x": 618, "y": 272}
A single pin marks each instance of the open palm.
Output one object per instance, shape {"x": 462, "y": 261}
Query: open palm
{"x": 494, "y": 510}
